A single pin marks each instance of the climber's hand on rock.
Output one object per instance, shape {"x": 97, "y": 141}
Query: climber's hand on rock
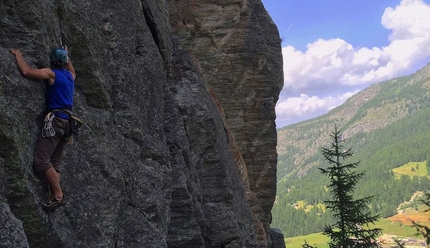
{"x": 15, "y": 51}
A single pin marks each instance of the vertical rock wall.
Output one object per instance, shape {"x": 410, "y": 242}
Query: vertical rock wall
{"x": 152, "y": 166}
{"x": 237, "y": 46}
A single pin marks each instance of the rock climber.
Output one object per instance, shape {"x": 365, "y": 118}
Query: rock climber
{"x": 56, "y": 134}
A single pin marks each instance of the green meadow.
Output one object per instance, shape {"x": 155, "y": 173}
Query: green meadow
{"x": 321, "y": 241}
{"x": 315, "y": 240}
{"x": 387, "y": 226}
{"x": 412, "y": 169}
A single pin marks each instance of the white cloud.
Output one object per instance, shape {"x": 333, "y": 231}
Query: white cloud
{"x": 304, "y": 107}
{"x": 336, "y": 64}
{"x": 409, "y": 20}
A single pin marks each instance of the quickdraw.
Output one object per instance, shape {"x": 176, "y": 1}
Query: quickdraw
{"x": 48, "y": 131}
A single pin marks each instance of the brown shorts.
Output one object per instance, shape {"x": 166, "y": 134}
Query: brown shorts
{"x": 48, "y": 151}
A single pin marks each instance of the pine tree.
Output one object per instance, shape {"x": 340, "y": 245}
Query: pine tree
{"x": 352, "y": 217}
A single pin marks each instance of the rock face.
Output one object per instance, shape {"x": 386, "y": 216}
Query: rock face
{"x": 277, "y": 238}
{"x": 12, "y": 233}
{"x": 237, "y": 47}
{"x": 155, "y": 164}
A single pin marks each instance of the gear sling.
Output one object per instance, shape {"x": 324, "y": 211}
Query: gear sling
{"x": 75, "y": 123}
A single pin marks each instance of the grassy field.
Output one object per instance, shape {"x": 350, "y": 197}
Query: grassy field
{"x": 319, "y": 240}
{"x": 315, "y": 240}
{"x": 396, "y": 227}
{"x": 399, "y": 225}
{"x": 411, "y": 169}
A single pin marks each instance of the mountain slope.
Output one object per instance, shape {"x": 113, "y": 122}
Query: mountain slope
{"x": 386, "y": 125}
{"x": 371, "y": 109}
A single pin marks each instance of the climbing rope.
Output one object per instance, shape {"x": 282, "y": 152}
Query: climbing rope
{"x": 48, "y": 131}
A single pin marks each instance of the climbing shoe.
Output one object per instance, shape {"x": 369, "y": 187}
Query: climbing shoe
{"x": 53, "y": 204}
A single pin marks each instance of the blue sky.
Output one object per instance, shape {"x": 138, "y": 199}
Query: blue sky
{"x": 332, "y": 49}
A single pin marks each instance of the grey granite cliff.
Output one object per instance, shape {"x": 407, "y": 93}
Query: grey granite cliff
{"x": 166, "y": 157}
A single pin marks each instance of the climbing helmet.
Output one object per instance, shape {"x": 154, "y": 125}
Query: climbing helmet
{"x": 59, "y": 56}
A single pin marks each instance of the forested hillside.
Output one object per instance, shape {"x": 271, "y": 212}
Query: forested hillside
{"x": 387, "y": 125}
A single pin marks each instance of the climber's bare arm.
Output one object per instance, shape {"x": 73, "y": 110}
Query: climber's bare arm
{"x": 30, "y": 72}
{"x": 69, "y": 65}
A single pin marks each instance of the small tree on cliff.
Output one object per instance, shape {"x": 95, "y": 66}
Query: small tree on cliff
{"x": 352, "y": 217}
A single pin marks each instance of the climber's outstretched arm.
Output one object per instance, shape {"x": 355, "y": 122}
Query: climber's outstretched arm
{"x": 29, "y": 72}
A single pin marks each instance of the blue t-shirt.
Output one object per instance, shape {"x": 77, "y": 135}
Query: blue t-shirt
{"x": 60, "y": 94}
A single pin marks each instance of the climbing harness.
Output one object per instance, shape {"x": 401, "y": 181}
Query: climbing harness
{"x": 75, "y": 122}
{"x": 48, "y": 131}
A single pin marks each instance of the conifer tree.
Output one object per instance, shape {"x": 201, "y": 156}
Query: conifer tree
{"x": 352, "y": 216}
